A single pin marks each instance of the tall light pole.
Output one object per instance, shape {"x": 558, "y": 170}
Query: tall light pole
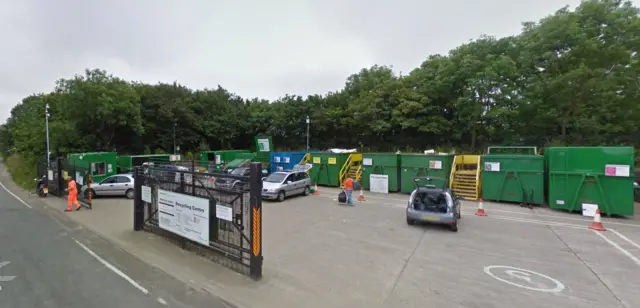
{"x": 46, "y": 121}
{"x": 174, "y": 137}
{"x": 308, "y": 133}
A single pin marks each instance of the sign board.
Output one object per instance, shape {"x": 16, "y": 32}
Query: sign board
{"x": 218, "y": 159}
{"x": 617, "y": 170}
{"x": 109, "y": 168}
{"x": 332, "y": 161}
{"x": 276, "y": 159}
{"x": 287, "y": 160}
{"x": 146, "y": 194}
{"x": 263, "y": 144}
{"x": 50, "y": 175}
{"x": 79, "y": 178}
{"x": 224, "y": 211}
{"x": 367, "y": 161}
{"x": 492, "y": 167}
{"x": 589, "y": 209}
{"x": 379, "y": 183}
{"x": 435, "y": 164}
{"x": 316, "y": 160}
{"x": 184, "y": 215}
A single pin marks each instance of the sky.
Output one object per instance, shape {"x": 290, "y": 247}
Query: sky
{"x": 253, "y": 48}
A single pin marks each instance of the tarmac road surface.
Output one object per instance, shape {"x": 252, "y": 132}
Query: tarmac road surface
{"x": 47, "y": 261}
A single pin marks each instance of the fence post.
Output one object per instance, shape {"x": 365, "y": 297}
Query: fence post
{"x": 59, "y": 177}
{"x": 138, "y": 205}
{"x": 255, "y": 197}
{"x": 193, "y": 177}
{"x": 182, "y": 189}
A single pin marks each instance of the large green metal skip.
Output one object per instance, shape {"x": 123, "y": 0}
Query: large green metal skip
{"x": 580, "y": 176}
{"x": 513, "y": 174}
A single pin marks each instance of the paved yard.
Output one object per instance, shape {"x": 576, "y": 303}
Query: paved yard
{"x": 321, "y": 254}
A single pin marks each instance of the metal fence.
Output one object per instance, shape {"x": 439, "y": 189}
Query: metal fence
{"x": 56, "y": 172}
{"x": 217, "y": 215}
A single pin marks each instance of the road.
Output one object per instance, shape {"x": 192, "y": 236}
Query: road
{"x": 47, "y": 261}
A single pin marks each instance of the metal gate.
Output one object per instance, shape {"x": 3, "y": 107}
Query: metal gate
{"x": 234, "y": 213}
{"x": 55, "y": 174}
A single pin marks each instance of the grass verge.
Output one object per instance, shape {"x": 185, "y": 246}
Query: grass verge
{"x": 22, "y": 170}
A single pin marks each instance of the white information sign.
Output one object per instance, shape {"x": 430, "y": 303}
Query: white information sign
{"x": 79, "y": 178}
{"x": 109, "y": 168}
{"x": 218, "y": 160}
{"x": 184, "y": 215}
{"x": 367, "y": 161}
{"x": 491, "y": 166}
{"x": 617, "y": 170}
{"x": 146, "y": 193}
{"x": 589, "y": 209}
{"x": 276, "y": 159}
{"x": 50, "y": 175}
{"x": 287, "y": 160}
{"x": 379, "y": 183}
{"x": 224, "y": 211}
{"x": 435, "y": 164}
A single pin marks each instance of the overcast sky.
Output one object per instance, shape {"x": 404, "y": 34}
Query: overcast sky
{"x": 253, "y": 48}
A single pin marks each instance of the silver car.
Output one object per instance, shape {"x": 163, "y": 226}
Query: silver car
{"x": 115, "y": 185}
{"x": 282, "y": 184}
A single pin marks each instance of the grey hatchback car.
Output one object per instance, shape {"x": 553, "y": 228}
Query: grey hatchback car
{"x": 282, "y": 184}
{"x": 115, "y": 185}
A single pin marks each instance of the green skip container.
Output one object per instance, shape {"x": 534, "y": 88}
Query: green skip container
{"x": 383, "y": 164}
{"x": 513, "y": 174}
{"x": 421, "y": 165}
{"x": 581, "y": 177}
{"x": 326, "y": 168}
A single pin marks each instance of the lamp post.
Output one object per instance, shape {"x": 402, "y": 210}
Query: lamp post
{"x": 308, "y": 133}
{"x": 46, "y": 121}
{"x": 174, "y": 137}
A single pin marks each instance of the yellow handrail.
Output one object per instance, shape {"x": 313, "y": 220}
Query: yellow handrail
{"x": 359, "y": 173}
{"x": 453, "y": 171}
{"x": 344, "y": 170}
{"x": 478, "y": 177}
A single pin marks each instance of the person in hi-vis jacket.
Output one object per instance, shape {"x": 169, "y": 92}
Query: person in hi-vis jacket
{"x": 72, "y": 198}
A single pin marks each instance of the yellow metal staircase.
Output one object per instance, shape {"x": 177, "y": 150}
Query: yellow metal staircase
{"x": 305, "y": 159}
{"x": 465, "y": 176}
{"x": 352, "y": 168}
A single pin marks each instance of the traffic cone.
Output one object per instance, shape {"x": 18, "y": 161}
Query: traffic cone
{"x": 315, "y": 190}
{"x": 596, "y": 224}
{"x": 480, "y": 211}
{"x": 361, "y": 197}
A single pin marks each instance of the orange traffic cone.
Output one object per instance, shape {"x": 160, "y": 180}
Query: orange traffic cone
{"x": 361, "y": 197}
{"x": 596, "y": 224}
{"x": 480, "y": 211}
{"x": 315, "y": 190}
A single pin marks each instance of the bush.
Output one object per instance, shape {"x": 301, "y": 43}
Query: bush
{"x": 23, "y": 170}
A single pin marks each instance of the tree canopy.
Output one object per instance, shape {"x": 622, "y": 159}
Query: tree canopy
{"x": 568, "y": 79}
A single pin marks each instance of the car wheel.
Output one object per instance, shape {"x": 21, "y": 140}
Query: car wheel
{"x": 306, "y": 191}
{"x": 410, "y": 221}
{"x": 454, "y": 226}
{"x": 281, "y": 196}
{"x": 86, "y": 193}
{"x": 130, "y": 194}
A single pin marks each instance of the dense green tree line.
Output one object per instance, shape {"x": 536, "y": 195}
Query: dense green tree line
{"x": 570, "y": 78}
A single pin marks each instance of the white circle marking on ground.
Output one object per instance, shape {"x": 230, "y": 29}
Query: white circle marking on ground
{"x": 525, "y": 275}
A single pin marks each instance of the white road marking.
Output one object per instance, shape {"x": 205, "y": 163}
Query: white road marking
{"x": 113, "y": 268}
{"x": 162, "y": 301}
{"x": 14, "y": 195}
{"x": 616, "y": 246}
{"x": 5, "y": 278}
{"x": 625, "y": 238}
{"x": 525, "y": 276}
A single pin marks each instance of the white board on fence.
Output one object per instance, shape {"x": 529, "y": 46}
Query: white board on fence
{"x": 224, "y": 211}
{"x": 367, "y": 161}
{"x": 50, "y": 175}
{"x": 184, "y": 215}
{"x": 379, "y": 183}
{"x": 146, "y": 194}
{"x": 79, "y": 178}
{"x": 589, "y": 210}
{"x": 491, "y": 166}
